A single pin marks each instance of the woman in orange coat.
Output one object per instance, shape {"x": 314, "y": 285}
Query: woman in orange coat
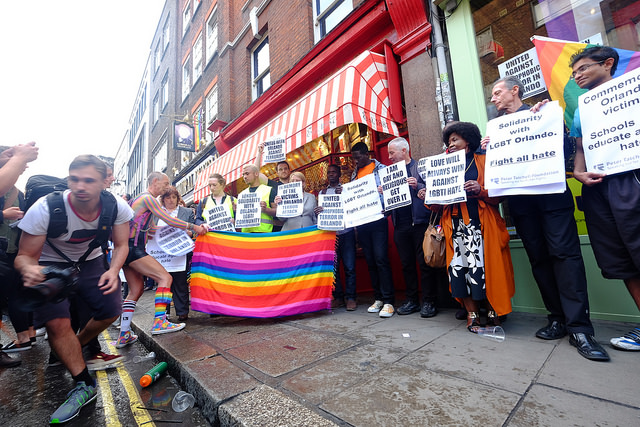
{"x": 478, "y": 256}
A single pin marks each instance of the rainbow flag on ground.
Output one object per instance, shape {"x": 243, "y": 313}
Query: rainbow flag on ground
{"x": 554, "y": 56}
{"x": 263, "y": 274}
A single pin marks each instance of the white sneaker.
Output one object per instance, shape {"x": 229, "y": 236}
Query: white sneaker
{"x": 41, "y": 331}
{"x": 375, "y": 307}
{"x": 387, "y": 311}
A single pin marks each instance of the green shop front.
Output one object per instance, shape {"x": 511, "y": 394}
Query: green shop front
{"x": 483, "y": 37}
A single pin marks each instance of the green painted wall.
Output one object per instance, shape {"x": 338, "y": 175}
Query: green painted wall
{"x": 608, "y": 299}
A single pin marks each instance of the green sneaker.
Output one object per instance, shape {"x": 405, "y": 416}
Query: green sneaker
{"x": 76, "y": 400}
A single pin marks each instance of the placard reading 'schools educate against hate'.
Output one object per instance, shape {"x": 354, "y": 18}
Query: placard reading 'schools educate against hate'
{"x": 610, "y": 118}
{"x": 525, "y": 153}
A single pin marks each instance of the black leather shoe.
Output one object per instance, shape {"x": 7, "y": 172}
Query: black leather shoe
{"x": 7, "y": 361}
{"x": 553, "y": 331}
{"x": 588, "y": 346}
{"x": 408, "y": 308}
{"x": 428, "y": 309}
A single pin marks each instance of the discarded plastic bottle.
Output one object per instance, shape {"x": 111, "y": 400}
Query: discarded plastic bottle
{"x": 153, "y": 374}
{"x": 138, "y": 359}
{"x": 182, "y": 401}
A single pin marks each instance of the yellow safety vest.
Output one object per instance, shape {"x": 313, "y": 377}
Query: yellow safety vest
{"x": 266, "y": 221}
{"x": 227, "y": 202}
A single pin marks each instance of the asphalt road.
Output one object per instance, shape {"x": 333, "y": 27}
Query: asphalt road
{"x": 30, "y": 393}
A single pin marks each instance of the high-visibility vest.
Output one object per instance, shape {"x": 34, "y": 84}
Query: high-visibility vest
{"x": 210, "y": 203}
{"x": 266, "y": 221}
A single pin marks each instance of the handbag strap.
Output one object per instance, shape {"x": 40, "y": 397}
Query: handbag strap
{"x": 434, "y": 219}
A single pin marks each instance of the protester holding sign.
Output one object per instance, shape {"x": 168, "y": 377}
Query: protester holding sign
{"x": 374, "y": 238}
{"x": 611, "y": 202}
{"x": 217, "y": 197}
{"x": 308, "y": 216}
{"x": 410, "y": 223}
{"x": 265, "y": 194}
{"x": 283, "y": 171}
{"x": 547, "y": 227}
{"x": 478, "y": 256}
{"x": 345, "y": 249}
{"x": 180, "y": 285}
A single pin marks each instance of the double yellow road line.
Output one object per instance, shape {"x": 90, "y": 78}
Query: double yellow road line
{"x": 141, "y": 416}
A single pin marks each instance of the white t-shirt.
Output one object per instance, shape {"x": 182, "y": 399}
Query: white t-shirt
{"x": 79, "y": 234}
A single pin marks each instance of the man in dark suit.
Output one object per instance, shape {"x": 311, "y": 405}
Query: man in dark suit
{"x": 547, "y": 227}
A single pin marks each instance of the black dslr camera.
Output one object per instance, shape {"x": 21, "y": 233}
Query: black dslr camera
{"x": 59, "y": 284}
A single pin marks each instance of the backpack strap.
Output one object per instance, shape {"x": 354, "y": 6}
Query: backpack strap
{"x": 58, "y": 223}
{"x": 57, "y": 215}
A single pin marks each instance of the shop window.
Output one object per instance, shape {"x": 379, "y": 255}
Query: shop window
{"x": 328, "y": 14}
{"x": 260, "y": 67}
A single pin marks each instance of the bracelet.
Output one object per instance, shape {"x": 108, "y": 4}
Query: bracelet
{"x": 189, "y": 226}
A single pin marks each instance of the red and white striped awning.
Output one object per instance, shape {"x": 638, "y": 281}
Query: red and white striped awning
{"x": 358, "y": 93}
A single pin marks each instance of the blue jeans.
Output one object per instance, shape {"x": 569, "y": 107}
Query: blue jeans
{"x": 345, "y": 252}
{"x": 374, "y": 240}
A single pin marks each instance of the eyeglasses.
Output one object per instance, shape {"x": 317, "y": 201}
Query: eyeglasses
{"x": 584, "y": 68}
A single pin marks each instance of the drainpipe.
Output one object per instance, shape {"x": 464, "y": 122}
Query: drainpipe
{"x": 443, "y": 89}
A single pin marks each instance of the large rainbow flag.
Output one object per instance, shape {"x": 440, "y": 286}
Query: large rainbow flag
{"x": 554, "y": 56}
{"x": 263, "y": 274}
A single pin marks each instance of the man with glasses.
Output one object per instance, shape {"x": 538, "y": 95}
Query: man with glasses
{"x": 547, "y": 227}
{"x": 611, "y": 203}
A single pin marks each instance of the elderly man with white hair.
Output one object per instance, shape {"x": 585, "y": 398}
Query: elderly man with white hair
{"x": 410, "y": 222}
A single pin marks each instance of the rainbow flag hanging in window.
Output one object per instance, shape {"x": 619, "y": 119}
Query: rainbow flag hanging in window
{"x": 263, "y": 274}
{"x": 554, "y": 56}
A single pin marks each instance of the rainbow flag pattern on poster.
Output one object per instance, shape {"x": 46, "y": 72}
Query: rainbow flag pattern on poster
{"x": 263, "y": 274}
{"x": 554, "y": 56}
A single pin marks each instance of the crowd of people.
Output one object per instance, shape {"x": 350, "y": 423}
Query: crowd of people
{"x": 478, "y": 261}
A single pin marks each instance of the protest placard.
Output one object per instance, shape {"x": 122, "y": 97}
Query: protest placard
{"x": 248, "y": 210}
{"x": 525, "y": 67}
{"x": 422, "y": 168}
{"x": 220, "y": 219}
{"x": 361, "y": 201}
{"x": 610, "y": 118}
{"x": 444, "y": 179}
{"x": 332, "y": 215}
{"x": 173, "y": 241}
{"x": 274, "y": 149}
{"x": 525, "y": 153}
{"x": 395, "y": 190}
{"x": 292, "y": 203}
{"x": 169, "y": 262}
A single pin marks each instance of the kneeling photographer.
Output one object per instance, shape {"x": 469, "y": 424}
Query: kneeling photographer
{"x": 53, "y": 264}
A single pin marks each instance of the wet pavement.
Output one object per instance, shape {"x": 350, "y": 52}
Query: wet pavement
{"x": 30, "y": 393}
{"x": 356, "y": 369}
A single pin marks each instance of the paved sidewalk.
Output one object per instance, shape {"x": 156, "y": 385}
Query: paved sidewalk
{"x": 354, "y": 368}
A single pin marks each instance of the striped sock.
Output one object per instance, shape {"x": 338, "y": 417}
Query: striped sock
{"x": 128, "y": 307}
{"x": 163, "y": 298}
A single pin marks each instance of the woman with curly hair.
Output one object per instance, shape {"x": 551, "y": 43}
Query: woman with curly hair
{"x": 478, "y": 256}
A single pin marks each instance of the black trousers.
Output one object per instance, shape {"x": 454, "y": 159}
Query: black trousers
{"x": 548, "y": 231}
{"x": 408, "y": 239}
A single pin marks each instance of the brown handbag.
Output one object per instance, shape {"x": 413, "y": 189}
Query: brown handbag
{"x": 433, "y": 244}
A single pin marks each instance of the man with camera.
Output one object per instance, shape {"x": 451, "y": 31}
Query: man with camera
{"x": 95, "y": 284}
